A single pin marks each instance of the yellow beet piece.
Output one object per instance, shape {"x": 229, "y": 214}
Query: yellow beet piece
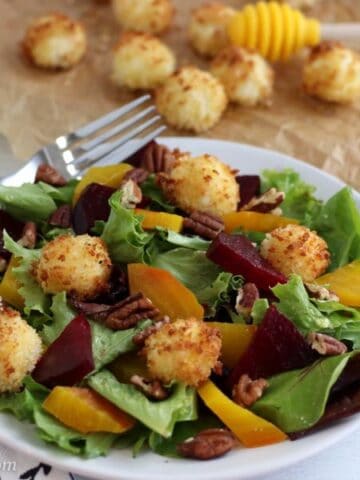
{"x": 110, "y": 175}
{"x": 255, "y": 221}
{"x": 127, "y": 365}
{"x": 235, "y": 339}
{"x": 152, "y": 220}
{"x": 169, "y": 295}
{"x": 345, "y": 282}
{"x": 86, "y": 411}
{"x": 9, "y": 286}
{"x": 251, "y": 430}
{"x": 275, "y": 30}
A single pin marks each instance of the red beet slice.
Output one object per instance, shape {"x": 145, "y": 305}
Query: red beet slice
{"x": 249, "y": 188}
{"x": 92, "y": 205}
{"x": 236, "y": 254}
{"x": 69, "y": 358}
{"x": 13, "y": 227}
{"x": 277, "y": 347}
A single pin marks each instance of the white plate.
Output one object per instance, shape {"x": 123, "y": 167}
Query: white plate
{"x": 242, "y": 463}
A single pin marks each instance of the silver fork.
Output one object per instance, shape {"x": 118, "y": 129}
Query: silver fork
{"x": 73, "y": 153}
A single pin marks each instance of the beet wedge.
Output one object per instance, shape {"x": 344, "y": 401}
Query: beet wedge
{"x": 92, "y": 205}
{"x": 69, "y": 358}
{"x": 236, "y": 254}
{"x": 249, "y": 188}
{"x": 277, "y": 347}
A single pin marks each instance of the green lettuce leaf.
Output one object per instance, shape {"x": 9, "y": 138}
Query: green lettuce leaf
{"x": 123, "y": 234}
{"x": 310, "y": 315}
{"x": 299, "y": 202}
{"x": 62, "y": 314}
{"x": 292, "y": 403}
{"x": 29, "y": 202}
{"x": 339, "y": 224}
{"x": 24, "y": 403}
{"x": 60, "y": 195}
{"x": 151, "y": 189}
{"x": 205, "y": 279}
{"x": 259, "y": 309}
{"x": 160, "y": 417}
{"x": 182, "y": 431}
{"x": 30, "y": 290}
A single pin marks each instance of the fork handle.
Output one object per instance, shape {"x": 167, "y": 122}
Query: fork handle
{"x": 340, "y": 31}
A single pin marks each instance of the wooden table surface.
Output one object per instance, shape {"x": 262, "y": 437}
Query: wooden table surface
{"x": 36, "y": 106}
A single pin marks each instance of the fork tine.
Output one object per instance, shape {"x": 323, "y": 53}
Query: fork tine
{"x": 102, "y": 150}
{"x": 64, "y": 141}
{"x": 114, "y": 131}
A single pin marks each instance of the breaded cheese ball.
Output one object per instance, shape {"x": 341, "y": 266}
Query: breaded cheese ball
{"x": 201, "y": 184}
{"x": 207, "y": 29}
{"x": 55, "y": 41}
{"x": 149, "y": 16}
{"x": 296, "y": 249}
{"x": 191, "y": 99}
{"x": 184, "y": 350}
{"x": 141, "y": 61}
{"x": 20, "y": 349}
{"x": 80, "y": 265}
{"x": 332, "y": 73}
{"x": 248, "y": 79}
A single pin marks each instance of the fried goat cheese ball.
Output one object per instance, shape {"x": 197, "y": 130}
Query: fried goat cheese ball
{"x": 20, "y": 349}
{"x": 191, "y": 99}
{"x": 332, "y": 73}
{"x": 248, "y": 79}
{"x": 207, "y": 29}
{"x": 55, "y": 41}
{"x": 141, "y": 61}
{"x": 184, "y": 350}
{"x": 296, "y": 249}
{"x": 201, "y": 184}
{"x": 149, "y": 16}
{"x": 80, "y": 265}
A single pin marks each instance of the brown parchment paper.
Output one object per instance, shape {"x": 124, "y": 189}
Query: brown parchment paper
{"x": 36, "y": 106}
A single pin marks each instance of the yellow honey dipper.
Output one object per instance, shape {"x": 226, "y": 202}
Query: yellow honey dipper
{"x": 277, "y": 31}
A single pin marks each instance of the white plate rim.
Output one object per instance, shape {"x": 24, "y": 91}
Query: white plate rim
{"x": 14, "y": 434}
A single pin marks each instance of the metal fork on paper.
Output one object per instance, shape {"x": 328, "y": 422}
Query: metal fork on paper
{"x": 110, "y": 139}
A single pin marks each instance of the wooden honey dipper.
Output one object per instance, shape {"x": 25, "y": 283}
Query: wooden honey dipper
{"x": 277, "y": 31}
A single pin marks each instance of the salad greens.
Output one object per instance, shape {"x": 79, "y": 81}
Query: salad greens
{"x": 296, "y": 400}
{"x": 160, "y": 417}
{"x": 151, "y": 190}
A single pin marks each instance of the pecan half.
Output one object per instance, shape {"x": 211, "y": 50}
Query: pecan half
{"x": 247, "y": 391}
{"x": 131, "y": 194}
{"x": 204, "y": 224}
{"x": 139, "y": 338}
{"x": 245, "y": 299}
{"x": 130, "y": 311}
{"x": 151, "y": 388}
{"x": 157, "y": 158}
{"x": 28, "y": 239}
{"x": 137, "y": 175}
{"x": 208, "y": 444}
{"x": 61, "y": 217}
{"x": 49, "y": 174}
{"x": 266, "y": 203}
{"x": 320, "y": 293}
{"x": 325, "y": 345}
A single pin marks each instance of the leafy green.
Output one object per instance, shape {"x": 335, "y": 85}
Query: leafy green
{"x": 193, "y": 269}
{"x": 259, "y": 309}
{"x": 151, "y": 189}
{"x": 30, "y": 290}
{"x": 182, "y": 431}
{"x": 158, "y": 416}
{"x": 123, "y": 234}
{"x": 23, "y": 404}
{"x": 174, "y": 239}
{"x": 60, "y": 195}
{"x": 339, "y": 224}
{"x": 48, "y": 233}
{"x": 296, "y": 400}
{"x": 299, "y": 202}
{"x": 295, "y": 304}
{"x": 29, "y": 202}
{"x": 62, "y": 316}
